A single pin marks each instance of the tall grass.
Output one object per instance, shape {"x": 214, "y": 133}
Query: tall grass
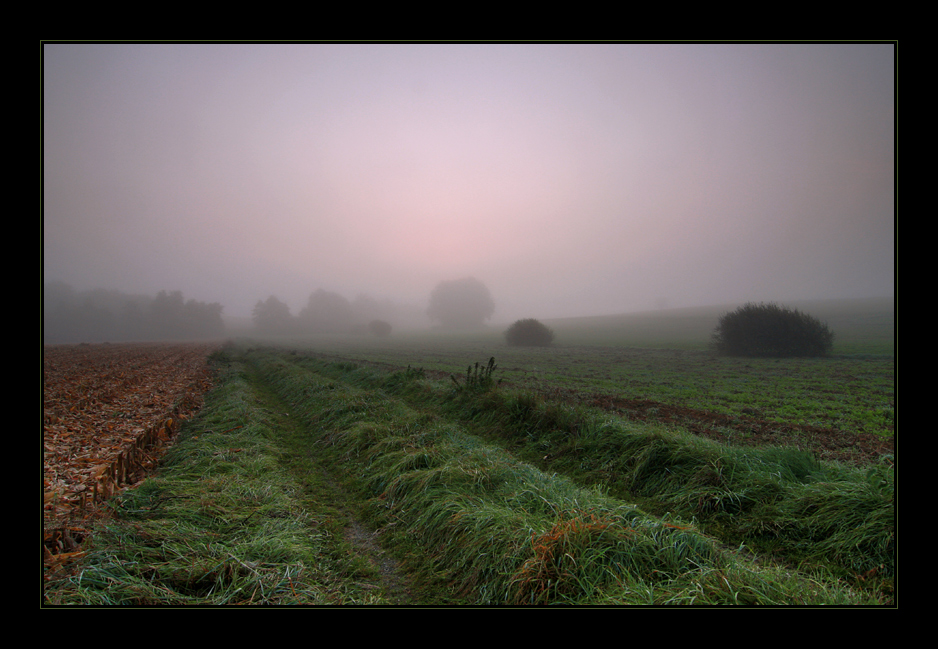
{"x": 777, "y": 498}
{"x": 500, "y": 531}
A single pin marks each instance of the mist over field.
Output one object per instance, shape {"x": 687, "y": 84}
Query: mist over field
{"x": 570, "y": 180}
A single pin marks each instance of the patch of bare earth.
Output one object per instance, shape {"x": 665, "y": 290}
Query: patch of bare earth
{"x": 392, "y": 579}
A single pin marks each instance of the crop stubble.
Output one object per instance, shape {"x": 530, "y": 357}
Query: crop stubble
{"x": 108, "y": 411}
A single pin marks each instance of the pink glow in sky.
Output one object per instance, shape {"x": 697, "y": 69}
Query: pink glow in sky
{"x": 570, "y": 179}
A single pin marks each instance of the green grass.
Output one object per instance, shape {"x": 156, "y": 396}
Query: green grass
{"x": 729, "y": 489}
{"x": 664, "y": 357}
{"x": 853, "y": 394}
{"x": 474, "y": 515}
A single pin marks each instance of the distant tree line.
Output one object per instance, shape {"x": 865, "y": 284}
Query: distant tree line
{"x": 329, "y": 312}
{"x": 101, "y": 315}
{"x": 461, "y": 304}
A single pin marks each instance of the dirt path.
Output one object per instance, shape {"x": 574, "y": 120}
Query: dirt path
{"x": 393, "y": 581}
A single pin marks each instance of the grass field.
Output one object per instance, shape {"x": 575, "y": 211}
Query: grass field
{"x": 664, "y": 358}
{"x": 341, "y": 470}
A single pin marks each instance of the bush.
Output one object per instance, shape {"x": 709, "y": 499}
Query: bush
{"x": 529, "y": 332}
{"x": 768, "y": 330}
{"x": 379, "y": 328}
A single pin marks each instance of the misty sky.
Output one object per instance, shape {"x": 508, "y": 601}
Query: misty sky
{"x": 570, "y": 179}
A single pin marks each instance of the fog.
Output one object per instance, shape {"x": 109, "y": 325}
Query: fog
{"x": 569, "y": 179}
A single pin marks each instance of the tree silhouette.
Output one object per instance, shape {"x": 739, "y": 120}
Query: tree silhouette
{"x": 327, "y": 312}
{"x": 272, "y": 316}
{"x": 461, "y": 304}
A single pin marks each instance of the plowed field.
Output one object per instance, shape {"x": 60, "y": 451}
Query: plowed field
{"x": 108, "y": 410}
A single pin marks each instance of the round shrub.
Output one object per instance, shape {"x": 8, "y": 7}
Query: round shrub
{"x": 529, "y": 332}
{"x": 768, "y": 330}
